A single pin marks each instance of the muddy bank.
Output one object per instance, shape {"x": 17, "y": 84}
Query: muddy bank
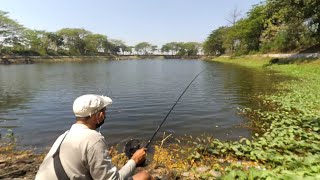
{"x": 16, "y": 164}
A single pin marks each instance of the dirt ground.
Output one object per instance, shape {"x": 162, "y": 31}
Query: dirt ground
{"x": 18, "y": 164}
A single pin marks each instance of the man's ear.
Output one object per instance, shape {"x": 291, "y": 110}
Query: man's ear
{"x": 101, "y": 114}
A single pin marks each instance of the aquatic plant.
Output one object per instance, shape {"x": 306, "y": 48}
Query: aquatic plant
{"x": 290, "y": 144}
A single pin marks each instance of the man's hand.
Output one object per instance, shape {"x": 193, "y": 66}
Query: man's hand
{"x": 139, "y": 156}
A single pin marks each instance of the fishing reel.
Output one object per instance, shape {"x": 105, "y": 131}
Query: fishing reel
{"x": 131, "y": 147}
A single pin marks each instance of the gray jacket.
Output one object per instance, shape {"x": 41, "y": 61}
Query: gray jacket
{"x": 83, "y": 155}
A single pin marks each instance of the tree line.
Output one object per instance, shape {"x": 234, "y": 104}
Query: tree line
{"x": 271, "y": 26}
{"x": 18, "y": 40}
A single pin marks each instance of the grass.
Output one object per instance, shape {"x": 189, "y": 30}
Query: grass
{"x": 289, "y": 148}
{"x": 244, "y": 61}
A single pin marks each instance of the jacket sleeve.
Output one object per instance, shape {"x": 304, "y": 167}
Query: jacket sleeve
{"x": 101, "y": 167}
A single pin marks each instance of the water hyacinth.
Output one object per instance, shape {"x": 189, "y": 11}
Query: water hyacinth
{"x": 289, "y": 146}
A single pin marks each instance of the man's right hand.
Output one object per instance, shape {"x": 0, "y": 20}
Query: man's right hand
{"x": 139, "y": 156}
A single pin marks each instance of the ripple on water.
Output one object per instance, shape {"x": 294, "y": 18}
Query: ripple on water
{"x": 36, "y": 101}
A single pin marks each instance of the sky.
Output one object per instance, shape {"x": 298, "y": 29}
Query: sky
{"x": 132, "y": 21}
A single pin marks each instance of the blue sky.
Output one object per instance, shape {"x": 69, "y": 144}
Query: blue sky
{"x": 133, "y": 21}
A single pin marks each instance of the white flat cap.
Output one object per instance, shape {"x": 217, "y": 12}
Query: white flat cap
{"x": 89, "y": 104}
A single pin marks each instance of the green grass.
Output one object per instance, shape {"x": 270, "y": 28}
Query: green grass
{"x": 245, "y": 61}
{"x": 289, "y": 148}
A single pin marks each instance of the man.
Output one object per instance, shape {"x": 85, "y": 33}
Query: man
{"x": 83, "y": 151}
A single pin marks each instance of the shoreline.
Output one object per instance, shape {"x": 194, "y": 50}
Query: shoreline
{"x": 288, "y": 148}
{"x": 11, "y": 60}
{"x": 8, "y": 60}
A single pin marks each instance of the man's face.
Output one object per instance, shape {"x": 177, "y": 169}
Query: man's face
{"x": 102, "y": 118}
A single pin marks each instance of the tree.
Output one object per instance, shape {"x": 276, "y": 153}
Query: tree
{"x": 289, "y": 11}
{"x": 74, "y": 40}
{"x": 188, "y": 48}
{"x": 117, "y": 46}
{"x": 312, "y": 17}
{"x": 153, "y": 48}
{"x": 128, "y": 49}
{"x": 94, "y": 44}
{"x": 291, "y": 25}
{"x": 10, "y": 32}
{"x": 36, "y": 42}
{"x": 143, "y": 48}
{"x": 231, "y": 40}
{"x": 253, "y": 27}
{"x": 165, "y": 49}
{"x": 235, "y": 15}
{"x": 244, "y": 36}
{"x": 55, "y": 43}
{"x": 214, "y": 43}
{"x": 172, "y": 47}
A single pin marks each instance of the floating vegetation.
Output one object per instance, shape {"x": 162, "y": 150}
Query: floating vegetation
{"x": 289, "y": 146}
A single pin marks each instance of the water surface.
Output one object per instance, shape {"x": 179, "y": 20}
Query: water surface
{"x": 36, "y": 100}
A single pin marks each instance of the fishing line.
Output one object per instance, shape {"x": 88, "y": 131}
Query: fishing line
{"x": 133, "y": 145}
{"x": 172, "y": 108}
{"x": 106, "y": 93}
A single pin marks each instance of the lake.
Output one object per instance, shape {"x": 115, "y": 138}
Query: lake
{"x": 36, "y": 100}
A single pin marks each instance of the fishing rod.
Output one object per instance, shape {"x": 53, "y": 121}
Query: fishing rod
{"x": 134, "y": 144}
{"x": 172, "y": 109}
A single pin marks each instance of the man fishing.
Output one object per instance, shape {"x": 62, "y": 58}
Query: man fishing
{"x": 82, "y": 153}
